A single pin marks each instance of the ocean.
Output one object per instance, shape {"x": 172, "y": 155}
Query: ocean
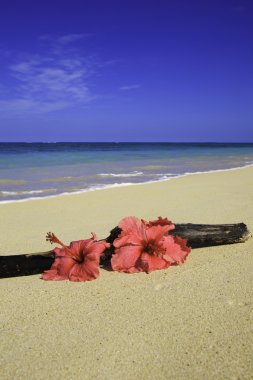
{"x": 35, "y": 170}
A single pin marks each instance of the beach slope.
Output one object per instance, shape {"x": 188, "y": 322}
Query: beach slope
{"x": 187, "y": 322}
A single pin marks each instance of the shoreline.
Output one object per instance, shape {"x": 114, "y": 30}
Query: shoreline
{"x": 116, "y": 185}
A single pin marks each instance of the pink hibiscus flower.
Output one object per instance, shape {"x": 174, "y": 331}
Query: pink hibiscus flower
{"x": 159, "y": 222}
{"x": 146, "y": 246}
{"x": 77, "y": 262}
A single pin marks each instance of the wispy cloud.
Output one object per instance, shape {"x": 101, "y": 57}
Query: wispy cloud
{"x": 49, "y": 81}
{"x": 65, "y": 39}
{"x": 130, "y": 87}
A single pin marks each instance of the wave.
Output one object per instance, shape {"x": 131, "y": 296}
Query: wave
{"x": 78, "y": 191}
{"x": 133, "y": 174}
{"x": 27, "y": 192}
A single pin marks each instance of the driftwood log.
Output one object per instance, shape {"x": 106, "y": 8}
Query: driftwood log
{"x": 197, "y": 236}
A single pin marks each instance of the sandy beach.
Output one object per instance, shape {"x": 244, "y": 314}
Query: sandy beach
{"x": 187, "y": 322}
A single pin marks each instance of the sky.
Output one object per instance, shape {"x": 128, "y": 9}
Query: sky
{"x": 151, "y": 71}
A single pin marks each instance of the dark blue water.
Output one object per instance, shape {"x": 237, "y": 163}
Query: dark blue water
{"x": 45, "y": 169}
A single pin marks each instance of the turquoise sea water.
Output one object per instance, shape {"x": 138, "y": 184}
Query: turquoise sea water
{"x": 32, "y": 170}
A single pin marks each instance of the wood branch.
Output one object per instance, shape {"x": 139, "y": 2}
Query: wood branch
{"x": 197, "y": 236}
{"x": 207, "y": 235}
{"x": 25, "y": 265}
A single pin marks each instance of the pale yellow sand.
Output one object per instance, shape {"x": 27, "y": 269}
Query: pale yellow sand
{"x": 188, "y": 322}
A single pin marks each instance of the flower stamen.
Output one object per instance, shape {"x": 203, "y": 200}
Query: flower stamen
{"x": 50, "y": 236}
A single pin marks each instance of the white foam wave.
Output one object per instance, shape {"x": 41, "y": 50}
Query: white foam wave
{"x": 133, "y": 174}
{"x": 26, "y": 192}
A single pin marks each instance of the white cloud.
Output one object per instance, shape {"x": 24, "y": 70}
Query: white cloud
{"x": 51, "y": 81}
{"x": 130, "y": 87}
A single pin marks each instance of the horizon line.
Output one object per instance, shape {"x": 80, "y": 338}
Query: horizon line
{"x": 126, "y": 142}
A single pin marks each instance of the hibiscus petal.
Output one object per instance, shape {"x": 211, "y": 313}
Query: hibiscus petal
{"x": 53, "y": 275}
{"x": 59, "y": 270}
{"x": 133, "y": 231}
{"x": 150, "y": 263}
{"x": 86, "y": 271}
{"x": 156, "y": 233}
{"x": 77, "y": 248}
{"x": 96, "y": 248}
{"x": 89, "y": 269}
{"x": 176, "y": 249}
{"x": 129, "y": 224}
{"x": 160, "y": 222}
{"x": 128, "y": 239}
{"x": 59, "y": 252}
{"x": 126, "y": 259}
{"x": 183, "y": 244}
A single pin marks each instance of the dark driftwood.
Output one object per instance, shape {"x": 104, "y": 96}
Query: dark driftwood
{"x": 206, "y": 235}
{"x": 25, "y": 265}
{"x": 197, "y": 236}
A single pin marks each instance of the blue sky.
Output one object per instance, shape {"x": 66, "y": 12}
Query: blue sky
{"x": 126, "y": 71}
